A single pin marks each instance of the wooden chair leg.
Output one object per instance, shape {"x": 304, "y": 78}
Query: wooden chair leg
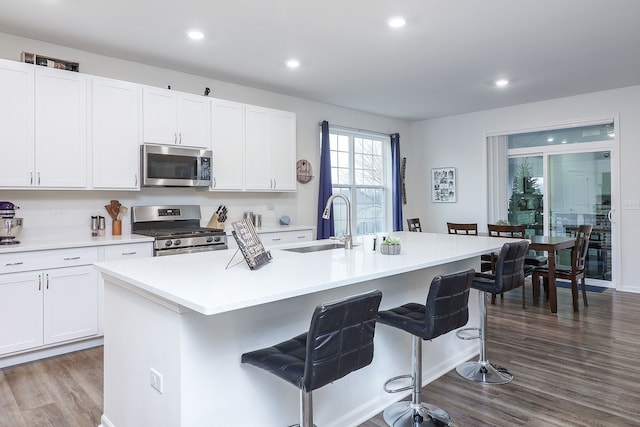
{"x": 523, "y": 296}
{"x": 584, "y": 292}
{"x": 493, "y": 298}
{"x": 574, "y": 294}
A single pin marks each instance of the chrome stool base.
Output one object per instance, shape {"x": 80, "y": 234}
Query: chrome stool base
{"x": 484, "y": 372}
{"x": 404, "y": 414}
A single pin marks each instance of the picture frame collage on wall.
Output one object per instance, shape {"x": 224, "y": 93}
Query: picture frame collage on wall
{"x": 443, "y": 185}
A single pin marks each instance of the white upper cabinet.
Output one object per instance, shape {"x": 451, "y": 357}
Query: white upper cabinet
{"x": 17, "y": 123}
{"x": 175, "y": 118}
{"x": 227, "y": 142}
{"x": 61, "y": 129}
{"x": 115, "y": 130}
{"x": 270, "y": 149}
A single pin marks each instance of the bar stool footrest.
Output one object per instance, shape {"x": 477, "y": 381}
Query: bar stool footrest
{"x": 406, "y": 414}
{"x": 397, "y": 390}
{"x": 462, "y": 334}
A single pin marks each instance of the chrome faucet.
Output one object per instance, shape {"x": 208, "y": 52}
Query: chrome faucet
{"x": 347, "y": 238}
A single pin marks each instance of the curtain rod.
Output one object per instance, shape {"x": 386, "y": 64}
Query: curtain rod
{"x": 372, "y": 132}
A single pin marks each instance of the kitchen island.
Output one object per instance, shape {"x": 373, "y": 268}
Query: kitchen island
{"x": 182, "y": 322}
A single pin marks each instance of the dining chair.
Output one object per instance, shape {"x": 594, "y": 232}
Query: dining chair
{"x": 462, "y": 228}
{"x": 574, "y": 272}
{"x": 514, "y": 232}
{"x": 414, "y": 224}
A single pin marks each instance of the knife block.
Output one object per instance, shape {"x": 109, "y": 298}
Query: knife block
{"x": 214, "y": 223}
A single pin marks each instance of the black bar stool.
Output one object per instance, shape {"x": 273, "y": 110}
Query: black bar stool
{"x": 509, "y": 275}
{"x": 446, "y": 309}
{"x": 339, "y": 341}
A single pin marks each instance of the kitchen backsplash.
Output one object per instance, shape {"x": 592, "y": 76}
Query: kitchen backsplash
{"x": 64, "y": 212}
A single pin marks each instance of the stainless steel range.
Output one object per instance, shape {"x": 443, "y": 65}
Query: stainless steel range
{"x": 176, "y": 229}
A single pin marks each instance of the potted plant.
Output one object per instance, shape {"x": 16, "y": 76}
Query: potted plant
{"x": 390, "y": 246}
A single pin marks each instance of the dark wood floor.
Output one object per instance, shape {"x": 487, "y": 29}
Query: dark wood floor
{"x": 570, "y": 370}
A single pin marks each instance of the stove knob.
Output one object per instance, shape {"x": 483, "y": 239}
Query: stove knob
{"x": 177, "y": 242}
{"x": 217, "y": 238}
{"x": 168, "y": 243}
{"x": 209, "y": 239}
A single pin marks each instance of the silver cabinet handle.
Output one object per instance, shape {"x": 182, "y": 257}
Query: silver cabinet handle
{"x": 38, "y": 178}
{"x": 135, "y": 179}
{"x": 72, "y": 258}
{"x": 304, "y": 236}
{"x": 31, "y": 175}
{"x": 39, "y": 282}
{"x": 214, "y": 182}
{"x": 128, "y": 253}
{"x": 47, "y": 281}
{"x": 275, "y": 239}
{"x": 180, "y": 138}
{"x": 9, "y": 264}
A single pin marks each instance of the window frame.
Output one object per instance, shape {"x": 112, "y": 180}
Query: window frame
{"x": 351, "y": 189}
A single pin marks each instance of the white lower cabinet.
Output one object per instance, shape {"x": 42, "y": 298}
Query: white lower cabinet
{"x": 48, "y": 297}
{"x": 70, "y": 304}
{"x": 47, "y": 307}
{"x": 21, "y": 299}
{"x": 52, "y": 299}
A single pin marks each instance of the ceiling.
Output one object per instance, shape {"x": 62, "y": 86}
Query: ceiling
{"x": 442, "y": 62}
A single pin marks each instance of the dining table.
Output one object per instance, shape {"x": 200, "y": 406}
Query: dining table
{"x": 551, "y": 244}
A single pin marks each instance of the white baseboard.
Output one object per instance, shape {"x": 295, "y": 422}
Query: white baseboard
{"x": 43, "y": 353}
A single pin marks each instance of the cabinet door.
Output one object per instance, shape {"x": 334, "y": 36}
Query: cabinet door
{"x": 257, "y": 149}
{"x": 70, "y": 303}
{"x": 193, "y": 120}
{"x": 283, "y": 148}
{"x": 227, "y": 142}
{"x": 115, "y": 134}
{"x": 159, "y": 116}
{"x": 20, "y": 311}
{"x": 61, "y": 129}
{"x": 17, "y": 123}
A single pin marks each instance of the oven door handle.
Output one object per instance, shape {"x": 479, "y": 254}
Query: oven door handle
{"x": 190, "y": 250}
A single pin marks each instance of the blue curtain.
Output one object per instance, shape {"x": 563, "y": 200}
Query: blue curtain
{"x": 325, "y": 227}
{"x": 396, "y": 182}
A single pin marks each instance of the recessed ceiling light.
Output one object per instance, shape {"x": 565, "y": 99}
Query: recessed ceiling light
{"x": 550, "y": 139}
{"x": 397, "y": 22}
{"x": 195, "y": 35}
{"x": 501, "y": 82}
{"x": 293, "y": 63}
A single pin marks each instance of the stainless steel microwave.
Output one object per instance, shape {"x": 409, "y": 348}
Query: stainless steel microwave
{"x": 167, "y": 166}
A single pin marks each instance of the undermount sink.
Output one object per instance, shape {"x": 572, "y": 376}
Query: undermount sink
{"x": 316, "y": 248}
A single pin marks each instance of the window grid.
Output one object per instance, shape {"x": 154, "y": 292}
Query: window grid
{"x": 358, "y": 168}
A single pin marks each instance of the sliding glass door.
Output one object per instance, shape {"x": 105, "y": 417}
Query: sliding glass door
{"x": 580, "y": 193}
{"x": 557, "y": 184}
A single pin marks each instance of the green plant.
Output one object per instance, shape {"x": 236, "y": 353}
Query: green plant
{"x": 502, "y": 222}
{"x": 391, "y": 241}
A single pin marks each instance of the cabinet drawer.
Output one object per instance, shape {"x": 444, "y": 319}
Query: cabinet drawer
{"x": 282, "y": 237}
{"x": 134, "y": 250}
{"x": 28, "y": 261}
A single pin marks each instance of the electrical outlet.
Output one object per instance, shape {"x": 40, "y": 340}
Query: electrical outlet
{"x": 156, "y": 380}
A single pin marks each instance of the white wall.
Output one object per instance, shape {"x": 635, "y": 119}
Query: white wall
{"x": 42, "y": 208}
{"x": 460, "y": 141}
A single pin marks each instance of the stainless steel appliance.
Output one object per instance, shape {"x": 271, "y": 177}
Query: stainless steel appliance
{"x": 166, "y": 166}
{"x": 176, "y": 229}
{"x": 9, "y": 225}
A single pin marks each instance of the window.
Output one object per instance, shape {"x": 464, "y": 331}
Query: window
{"x": 360, "y": 167}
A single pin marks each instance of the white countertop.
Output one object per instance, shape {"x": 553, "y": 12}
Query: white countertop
{"x": 275, "y": 228}
{"x": 62, "y": 240}
{"x": 201, "y": 283}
